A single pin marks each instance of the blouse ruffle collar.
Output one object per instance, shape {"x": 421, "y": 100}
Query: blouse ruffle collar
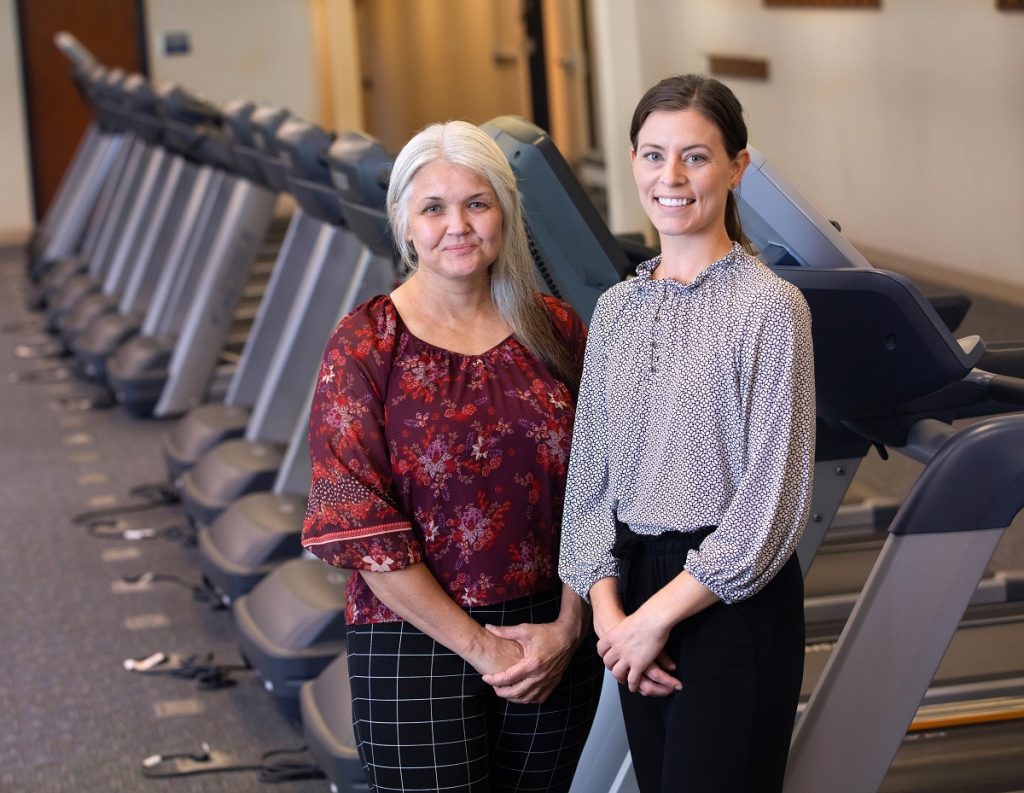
{"x": 645, "y": 270}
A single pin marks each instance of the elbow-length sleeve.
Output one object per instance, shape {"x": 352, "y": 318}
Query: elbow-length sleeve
{"x": 765, "y": 518}
{"x": 352, "y": 517}
{"x": 588, "y": 521}
{"x": 568, "y": 326}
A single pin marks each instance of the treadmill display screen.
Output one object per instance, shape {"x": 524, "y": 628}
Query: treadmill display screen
{"x": 784, "y": 228}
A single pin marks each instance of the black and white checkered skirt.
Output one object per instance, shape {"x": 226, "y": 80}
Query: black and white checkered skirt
{"x": 425, "y": 721}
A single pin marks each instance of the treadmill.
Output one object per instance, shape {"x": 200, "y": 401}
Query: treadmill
{"x": 172, "y": 363}
{"x": 127, "y": 99}
{"x": 917, "y": 381}
{"x": 104, "y": 87}
{"x": 345, "y": 273}
{"x": 211, "y": 423}
{"x": 160, "y": 178}
{"x": 291, "y": 624}
{"x": 103, "y": 322}
{"x": 69, "y": 219}
{"x": 260, "y": 530}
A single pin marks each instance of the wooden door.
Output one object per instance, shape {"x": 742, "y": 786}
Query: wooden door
{"x": 435, "y": 60}
{"x": 113, "y": 30}
{"x": 568, "y": 79}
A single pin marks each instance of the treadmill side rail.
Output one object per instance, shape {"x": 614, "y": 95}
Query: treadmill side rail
{"x": 908, "y": 611}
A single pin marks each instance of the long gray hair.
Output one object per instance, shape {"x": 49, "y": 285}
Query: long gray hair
{"x": 513, "y": 277}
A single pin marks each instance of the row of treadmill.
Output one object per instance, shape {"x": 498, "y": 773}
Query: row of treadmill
{"x": 197, "y": 256}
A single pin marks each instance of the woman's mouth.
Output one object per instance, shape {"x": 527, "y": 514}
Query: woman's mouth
{"x": 665, "y": 201}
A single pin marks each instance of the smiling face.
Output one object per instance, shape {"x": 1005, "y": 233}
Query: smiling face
{"x": 683, "y": 174}
{"x": 455, "y": 221}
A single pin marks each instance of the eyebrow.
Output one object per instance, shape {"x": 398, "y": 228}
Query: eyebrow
{"x": 474, "y": 197}
{"x": 659, "y": 147}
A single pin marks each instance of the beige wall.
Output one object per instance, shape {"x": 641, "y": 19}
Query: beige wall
{"x": 16, "y": 196}
{"x": 257, "y": 49}
{"x": 618, "y": 83}
{"x": 904, "y": 124}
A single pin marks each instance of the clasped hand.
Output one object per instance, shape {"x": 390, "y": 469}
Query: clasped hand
{"x": 633, "y": 650}
{"x": 546, "y": 650}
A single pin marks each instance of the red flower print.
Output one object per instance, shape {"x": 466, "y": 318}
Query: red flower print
{"x": 344, "y": 417}
{"x": 485, "y": 454}
{"x": 473, "y": 593}
{"x": 423, "y": 376}
{"x": 475, "y": 527}
{"x": 435, "y": 535}
{"x": 458, "y": 412}
{"x": 529, "y": 481}
{"x": 528, "y": 563}
{"x": 553, "y": 440}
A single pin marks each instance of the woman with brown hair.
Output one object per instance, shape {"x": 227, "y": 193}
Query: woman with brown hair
{"x": 691, "y": 467}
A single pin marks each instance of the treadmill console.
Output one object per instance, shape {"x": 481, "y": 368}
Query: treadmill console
{"x": 577, "y": 256}
{"x": 783, "y": 226}
{"x": 359, "y": 169}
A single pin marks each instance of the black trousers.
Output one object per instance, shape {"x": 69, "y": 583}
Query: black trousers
{"x": 425, "y": 721}
{"x": 728, "y": 730}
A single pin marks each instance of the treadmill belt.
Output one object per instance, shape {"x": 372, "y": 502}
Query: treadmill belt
{"x": 987, "y": 646}
{"x": 981, "y": 758}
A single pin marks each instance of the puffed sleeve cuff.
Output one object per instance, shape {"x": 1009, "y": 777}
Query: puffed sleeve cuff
{"x": 581, "y": 581}
{"x": 377, "y": 549}
{"x": 695, "y": 567}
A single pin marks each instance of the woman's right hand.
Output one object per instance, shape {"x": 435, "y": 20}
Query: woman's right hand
{"x": 656, "y": 680}
{"x": 607, "y": 614}
{"x": 491, "y": 654}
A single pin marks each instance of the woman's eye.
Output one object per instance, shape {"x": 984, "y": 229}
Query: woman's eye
{"x": 695, "y": 159}
{"x": 653, "y": 156}
{"x": 478, "y": 205}
{"x": 432, "y": 209}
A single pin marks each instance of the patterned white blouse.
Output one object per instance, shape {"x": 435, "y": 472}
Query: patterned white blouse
{"x": 696, "y": 409}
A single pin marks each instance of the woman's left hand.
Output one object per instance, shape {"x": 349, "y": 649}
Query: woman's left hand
{"x": 629, "y": 648}
{"x": 547, "y": 649}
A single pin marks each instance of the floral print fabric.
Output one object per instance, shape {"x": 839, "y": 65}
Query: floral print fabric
{"x": 423, "y": 455}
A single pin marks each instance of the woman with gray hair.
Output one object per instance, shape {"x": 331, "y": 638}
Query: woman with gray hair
{"x": 439, "y": 437}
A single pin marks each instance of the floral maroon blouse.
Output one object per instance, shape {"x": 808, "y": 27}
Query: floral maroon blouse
{"x": 421, "y": 454}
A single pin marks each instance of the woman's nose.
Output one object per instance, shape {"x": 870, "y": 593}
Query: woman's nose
{"x": 673, "y": 172}
{"x": 457, "y": 221}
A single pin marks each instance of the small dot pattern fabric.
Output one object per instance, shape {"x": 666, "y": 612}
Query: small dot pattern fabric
{"x": 696, "y": 409}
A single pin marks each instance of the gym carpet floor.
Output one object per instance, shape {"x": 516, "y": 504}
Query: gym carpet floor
{"x": 73, "y": 718}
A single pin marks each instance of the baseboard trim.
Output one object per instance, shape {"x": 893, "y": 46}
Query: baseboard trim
{"x": 13, "y": 240}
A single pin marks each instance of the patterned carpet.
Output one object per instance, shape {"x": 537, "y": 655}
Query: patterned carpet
{"x": 73, "y": 718}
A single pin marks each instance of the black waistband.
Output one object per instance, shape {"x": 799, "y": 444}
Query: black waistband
{"x": 628, "y": 542}
{"x": 629, "y": 545}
